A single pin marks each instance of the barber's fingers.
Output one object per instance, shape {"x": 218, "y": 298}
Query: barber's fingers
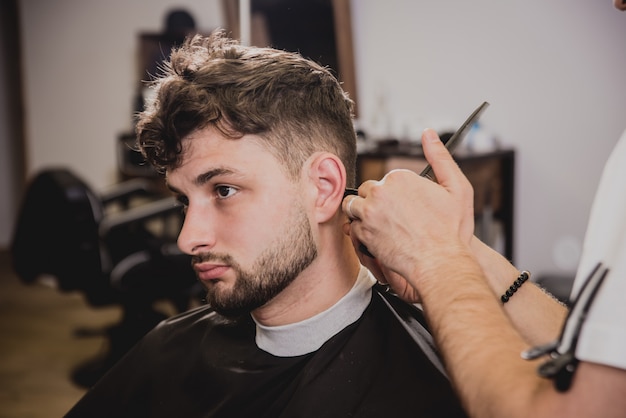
{"x": 369, "y": 262}
{"x": 394, "y": 183}
{"x": 384, "y": 275}
{"x": 351, "y": 205}
{"x": 348, "y": 206}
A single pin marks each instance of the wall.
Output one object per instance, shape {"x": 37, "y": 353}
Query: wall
{"x": 553, "y": 72}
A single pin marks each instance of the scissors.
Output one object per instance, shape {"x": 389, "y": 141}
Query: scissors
{"x": 427, "y": 172}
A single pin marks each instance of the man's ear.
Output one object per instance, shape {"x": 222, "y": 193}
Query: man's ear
{"x": 327, "y": 176}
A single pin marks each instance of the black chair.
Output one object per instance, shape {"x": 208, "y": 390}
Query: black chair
{"x": 117, "y": 248}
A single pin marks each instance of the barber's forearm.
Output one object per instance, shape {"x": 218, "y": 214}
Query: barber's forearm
{"x": 480, "y": 347}
{"x": 537, "y": 316}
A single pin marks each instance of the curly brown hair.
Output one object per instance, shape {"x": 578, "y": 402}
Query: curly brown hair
{"x": 294, "y": 105}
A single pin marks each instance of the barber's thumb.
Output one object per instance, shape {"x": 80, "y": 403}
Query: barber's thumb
{"x": 430, "y": 136}
{"x": 437, "y": 154}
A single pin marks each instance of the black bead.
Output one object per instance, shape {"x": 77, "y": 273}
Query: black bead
{"x": 516, "y": 285}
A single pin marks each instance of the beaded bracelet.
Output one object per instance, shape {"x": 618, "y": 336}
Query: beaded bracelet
{"x": 525, "y": 275}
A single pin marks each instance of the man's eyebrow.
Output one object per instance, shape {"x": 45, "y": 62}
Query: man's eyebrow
{"x": 207, "y": 176}
{"x": 204, "y": 177}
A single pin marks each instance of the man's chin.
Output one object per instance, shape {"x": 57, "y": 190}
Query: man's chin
{"x": 231, "y": 312}
{"x": 229, "y": 309}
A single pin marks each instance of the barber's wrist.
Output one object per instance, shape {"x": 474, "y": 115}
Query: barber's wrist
{"x": 459, "y": 282}
{"x": 499, "y": 271}
{"x": 441, "y": 263}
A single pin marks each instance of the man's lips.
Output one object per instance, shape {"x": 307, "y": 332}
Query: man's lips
{"x": 208, "y": 271}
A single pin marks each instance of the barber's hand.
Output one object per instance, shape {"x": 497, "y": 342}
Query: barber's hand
{"x": 384, "y": 275}
{"x": 407, "y": 221}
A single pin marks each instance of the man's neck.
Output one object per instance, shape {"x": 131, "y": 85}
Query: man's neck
{"x": 317, "y": 288}
{"x": 307, "y": 336}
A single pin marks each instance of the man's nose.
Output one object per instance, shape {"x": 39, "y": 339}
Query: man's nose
{"x": 197, "y": 234}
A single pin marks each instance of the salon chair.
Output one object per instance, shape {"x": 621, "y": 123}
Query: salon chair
{"x": 116, "y": 248}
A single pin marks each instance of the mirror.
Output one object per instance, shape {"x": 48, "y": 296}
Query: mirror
{"x": 319, "y": 29}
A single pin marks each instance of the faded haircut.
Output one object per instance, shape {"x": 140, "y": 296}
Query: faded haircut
{"x": 294, "y": 105}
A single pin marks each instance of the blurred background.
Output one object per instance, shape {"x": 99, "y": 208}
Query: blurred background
{"x": 553, "y": 72}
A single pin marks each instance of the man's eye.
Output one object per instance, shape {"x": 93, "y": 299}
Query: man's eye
{"x": 223, "y": 192}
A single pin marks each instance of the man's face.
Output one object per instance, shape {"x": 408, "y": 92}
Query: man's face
{"x": 245, "y": 226}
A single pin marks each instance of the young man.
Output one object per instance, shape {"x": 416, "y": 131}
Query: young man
{"x": 258, "y": 145}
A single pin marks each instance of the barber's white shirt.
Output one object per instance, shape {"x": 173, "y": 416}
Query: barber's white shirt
{"x": 603, "y": 336}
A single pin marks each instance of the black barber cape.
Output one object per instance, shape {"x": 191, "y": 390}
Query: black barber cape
{"x": 199, "y": 364}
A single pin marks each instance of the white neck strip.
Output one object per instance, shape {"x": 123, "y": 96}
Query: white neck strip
{"x": 306, "y": 336}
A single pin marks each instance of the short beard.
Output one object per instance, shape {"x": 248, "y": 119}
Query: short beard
{"x": 277, "y": 266}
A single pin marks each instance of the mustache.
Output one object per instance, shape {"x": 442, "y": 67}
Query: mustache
{"x": 212, "y": 258}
